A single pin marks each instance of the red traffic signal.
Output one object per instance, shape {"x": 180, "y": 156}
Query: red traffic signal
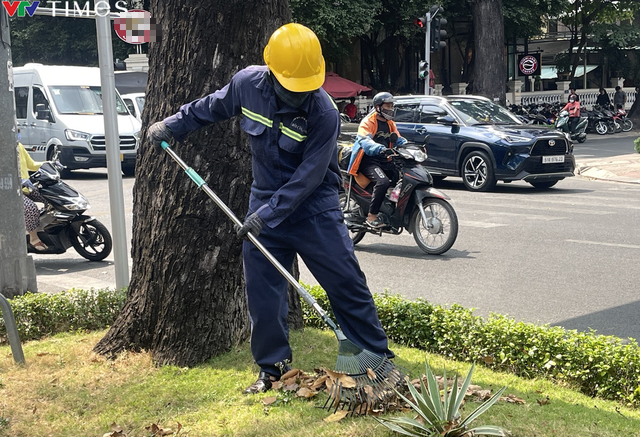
{"x": 421, "y": 22}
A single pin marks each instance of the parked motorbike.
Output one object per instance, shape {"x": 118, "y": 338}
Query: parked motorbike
{"x": 579, "y": 132}
{"x": 63, "y": 223}
{"x": 596, "y": 121}
{"x": 414, "y": 204}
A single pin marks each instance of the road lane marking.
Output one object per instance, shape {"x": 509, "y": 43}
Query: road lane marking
{"x": 593, "y": 211}
{"x": 473, "y": 224}
{"x": 598, "y": 243}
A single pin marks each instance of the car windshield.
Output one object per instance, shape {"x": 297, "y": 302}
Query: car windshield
{"x": 474, "y": 112}
{"x": 82, "y": 100}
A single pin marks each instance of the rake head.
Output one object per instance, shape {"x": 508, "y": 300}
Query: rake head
{"x": 362, "y": 382}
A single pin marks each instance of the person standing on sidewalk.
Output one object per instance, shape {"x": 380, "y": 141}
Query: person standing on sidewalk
{"x": 294, "y": 208}
{"x": 619, "y": 98}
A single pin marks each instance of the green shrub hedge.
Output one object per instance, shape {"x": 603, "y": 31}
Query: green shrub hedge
{"x": 41, "y": 314}
{"x": 597, "y": 365}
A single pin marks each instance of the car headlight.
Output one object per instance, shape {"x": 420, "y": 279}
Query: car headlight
{"x": 137, "y": 135}
{"x": 74, "y": 135}
{"x": 512, "y": 138}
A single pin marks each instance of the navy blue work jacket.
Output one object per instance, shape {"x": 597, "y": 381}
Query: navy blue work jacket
{"x": 294, "y": 153}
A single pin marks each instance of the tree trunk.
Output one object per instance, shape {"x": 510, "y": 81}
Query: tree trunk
{"x": 186, "y": 302}
{"x": 489, "y": 80}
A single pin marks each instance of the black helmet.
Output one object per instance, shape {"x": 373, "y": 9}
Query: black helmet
{"x": 378, "y": 100}
{"x": 381, "y": 98}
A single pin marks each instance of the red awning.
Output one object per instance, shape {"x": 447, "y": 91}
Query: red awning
{"x": 341, "y": 88}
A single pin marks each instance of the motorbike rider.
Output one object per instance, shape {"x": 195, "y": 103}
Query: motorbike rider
{"x": 30, "y": 196}
{"x": 573, "y": 107}
{"x": 294, "y": 207}
{"x": 371, "y": 150}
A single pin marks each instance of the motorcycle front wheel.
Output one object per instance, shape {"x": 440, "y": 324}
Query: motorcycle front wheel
{"x": 627, "y": 125}
{"x": 601, "y": 127}
{"x": 441, "y": 230}
{"x": 352, "y": 213}
{"x": 92, "y": 241}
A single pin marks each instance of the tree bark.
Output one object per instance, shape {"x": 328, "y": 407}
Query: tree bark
{"x": 186, "y": 301}
{"x": 490, "y": 76}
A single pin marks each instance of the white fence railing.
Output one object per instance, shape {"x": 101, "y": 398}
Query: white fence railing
{"x": 587, "y": 97}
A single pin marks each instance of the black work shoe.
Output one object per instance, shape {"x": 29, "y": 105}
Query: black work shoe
{"x": 262, "y": 384}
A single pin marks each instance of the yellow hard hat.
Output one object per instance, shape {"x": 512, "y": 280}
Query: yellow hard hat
{"x": 294, "y": 56}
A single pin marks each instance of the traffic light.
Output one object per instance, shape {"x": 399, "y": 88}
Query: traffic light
{"x": 421, "y": 22}
{"x": 423, "y": 71}
{"x": 438, "y": 34}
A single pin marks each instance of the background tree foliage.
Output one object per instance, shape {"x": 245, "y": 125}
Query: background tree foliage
{"x": 61, "y": 40}
{"x": 584, "y": 17}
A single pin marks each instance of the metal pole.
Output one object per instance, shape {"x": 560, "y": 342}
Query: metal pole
{"x": 103, "y": 17}
{"x": 427, "y": 52}
{"x": 12, "y": 330}
{"x": 112, "y": 138}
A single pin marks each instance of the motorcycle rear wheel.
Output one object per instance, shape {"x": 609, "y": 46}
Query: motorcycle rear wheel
{"x": 441, "y": 230}
{"x": 352, "y": 210}
{"x": 93, "y": 241}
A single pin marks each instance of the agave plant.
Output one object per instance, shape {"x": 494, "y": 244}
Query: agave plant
{"x": 441, "y": 414}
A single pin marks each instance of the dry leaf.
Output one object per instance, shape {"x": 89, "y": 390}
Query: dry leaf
{"x": 335, "y": 417}
{"x": 157, "y": 431}
{"x": 481, "y": 394}
{"x": 371, "y": 397}
{"x": 371, "y": 374}
{"x": 34, "y": 410}
{"x": 291, "y": 374}
{"x": 513, "y": 399}
{"x": 54, "y": 380}
{"x": 488, "y": 359}
{"x": 544, "y": 401}
{"x": 42, "y": 354}
{"x": 341, "y": 379}
{"x": 319, "y": 382}
{"x": 270, "y": 400}
{"x": 304, "y": 392}
{"x": 276, "y": 385}
{"x": 291, "y": 387}
{"x": 115, "y": 427}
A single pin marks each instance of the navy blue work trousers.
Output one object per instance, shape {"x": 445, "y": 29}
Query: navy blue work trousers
{"x": 323, "y": 243}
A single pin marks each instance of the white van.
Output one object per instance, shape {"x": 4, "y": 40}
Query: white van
{"x": 135, "y": 104}
{"x": 62, "y": 105}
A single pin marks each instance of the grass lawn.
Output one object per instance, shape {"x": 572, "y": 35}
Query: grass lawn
{"x": 66, "y": 390}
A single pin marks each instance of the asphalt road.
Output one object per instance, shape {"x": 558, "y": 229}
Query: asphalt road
{"x": 568, "y": 256}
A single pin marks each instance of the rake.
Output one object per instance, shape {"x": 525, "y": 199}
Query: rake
{"x": 364, "y": 380}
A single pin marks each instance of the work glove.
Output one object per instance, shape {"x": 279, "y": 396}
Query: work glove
{"x": 401, "y": 141}
{"x": 252, "y": 224}
{"x": 157, "y": 133}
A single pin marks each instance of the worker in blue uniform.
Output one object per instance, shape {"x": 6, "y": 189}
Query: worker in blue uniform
{"x": 294, "y": 205}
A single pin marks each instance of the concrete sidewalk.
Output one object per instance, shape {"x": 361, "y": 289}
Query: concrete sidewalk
{"x": 622, "y": 168}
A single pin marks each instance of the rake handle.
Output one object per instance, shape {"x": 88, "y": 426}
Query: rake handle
{"x": 310, "y": 300}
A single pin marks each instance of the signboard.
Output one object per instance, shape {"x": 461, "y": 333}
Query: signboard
{"x": 529, "y": 64}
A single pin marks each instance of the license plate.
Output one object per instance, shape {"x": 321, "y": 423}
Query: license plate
{"x": 552, "y": 159}
{"x": 122, "y": 157}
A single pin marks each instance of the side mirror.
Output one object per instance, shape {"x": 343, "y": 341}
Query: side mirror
{"x": 42, "y": 113}
{"x": 446, "y": 120}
